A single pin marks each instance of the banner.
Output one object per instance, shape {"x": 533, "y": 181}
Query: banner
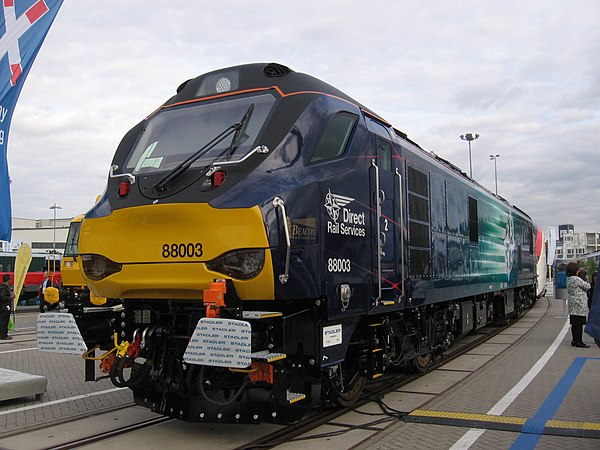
{"x": 22, "y": 262}
{"x": 552, "y": 238}
{"x": 23, "y": 27}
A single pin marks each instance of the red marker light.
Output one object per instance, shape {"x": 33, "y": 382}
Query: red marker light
{"x": 218, "y": 178}
{"x": 124, "y": 188}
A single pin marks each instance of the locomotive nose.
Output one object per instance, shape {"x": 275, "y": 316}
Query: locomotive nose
{"x": 176, "y": 251}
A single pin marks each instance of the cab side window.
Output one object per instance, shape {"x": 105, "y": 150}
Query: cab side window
{"x": 384, "y": 154}
{"x": 335, "y": 138}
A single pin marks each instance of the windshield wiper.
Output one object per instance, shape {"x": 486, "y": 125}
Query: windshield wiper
{"x": 236, "y": 141}
{"x": 186, "y": 163}
{"x": 236, "y": 128}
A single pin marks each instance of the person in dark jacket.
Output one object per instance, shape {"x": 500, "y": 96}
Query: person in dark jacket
{"x": 592, "y": 327}
{"x": 5, "y": 307}
{"x": 590, "y": 293}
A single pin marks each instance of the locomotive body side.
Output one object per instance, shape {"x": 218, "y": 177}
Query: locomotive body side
{"x": 275, "y": 243}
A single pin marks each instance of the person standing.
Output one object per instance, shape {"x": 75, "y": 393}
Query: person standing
{"x": 592, "y": 326}
{"x": 48, "y": 282}
{"x": 5, "y": 307}
{"x": 590, "y": 293}
{"x": 577, "y": 301}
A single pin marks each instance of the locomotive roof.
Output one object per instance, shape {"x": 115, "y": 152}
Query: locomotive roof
{"x": 257, "y": 76}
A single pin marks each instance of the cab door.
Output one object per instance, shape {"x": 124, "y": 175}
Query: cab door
{"x": 386, "y": 217}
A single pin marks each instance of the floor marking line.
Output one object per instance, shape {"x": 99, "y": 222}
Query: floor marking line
{"x": 62, "y": 400}
{"x": 18, "y": 350}
{"x": 505, "y": 423}
{"x": 472, "y": 435}
{"x": 534, "y": 428}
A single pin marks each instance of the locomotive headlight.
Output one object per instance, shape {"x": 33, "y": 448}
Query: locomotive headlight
{"x": 97, "y": 267}
{"x": 241, "y": 264}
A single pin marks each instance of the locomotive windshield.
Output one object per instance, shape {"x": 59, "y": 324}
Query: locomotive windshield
{"x": 174, "y": 135}
{"x": 72, "y": 239}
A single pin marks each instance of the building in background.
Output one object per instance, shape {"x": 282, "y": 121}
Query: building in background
{"x": 42, "y": 235}
{"x": 572, "y": 245}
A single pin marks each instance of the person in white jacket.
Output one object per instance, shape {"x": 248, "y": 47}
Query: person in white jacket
{"x": 577, "y": 301}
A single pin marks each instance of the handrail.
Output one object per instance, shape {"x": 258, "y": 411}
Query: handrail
{"x": 218, "y": 164}
{"x": 379, "y": 243}
{"x": 401, "y": 201}
{"x": 130, "y": 176}
{"x": 278, "y": 203}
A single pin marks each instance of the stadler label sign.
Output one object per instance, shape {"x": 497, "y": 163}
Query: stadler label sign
{"x": 58, "y": 333}
{"x": 221, "y": 343}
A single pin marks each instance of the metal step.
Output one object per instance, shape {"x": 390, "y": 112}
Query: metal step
{"x": 293, "y": 397}
{"x": 267, "y": 356}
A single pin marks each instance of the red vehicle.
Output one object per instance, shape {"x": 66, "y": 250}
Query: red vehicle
{"x": 35, "y": 276}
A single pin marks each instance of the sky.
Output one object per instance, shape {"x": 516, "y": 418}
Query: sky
{"x": 524, "y": 75}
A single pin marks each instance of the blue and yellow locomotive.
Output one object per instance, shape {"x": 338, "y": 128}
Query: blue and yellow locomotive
{"x": 274, "y": 244}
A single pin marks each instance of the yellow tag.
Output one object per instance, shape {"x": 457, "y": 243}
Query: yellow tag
{"x": 51, "y": 295}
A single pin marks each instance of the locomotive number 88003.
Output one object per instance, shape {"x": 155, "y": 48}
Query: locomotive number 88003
{"x": 273, "y": 243}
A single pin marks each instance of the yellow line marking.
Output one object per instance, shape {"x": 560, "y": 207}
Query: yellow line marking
{"x": 469, "y": 416}
{"x": 503, "y": 419}
{"x": 575, "y": 425}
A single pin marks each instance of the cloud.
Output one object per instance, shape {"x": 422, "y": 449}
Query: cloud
{"x": 524, "y": 75}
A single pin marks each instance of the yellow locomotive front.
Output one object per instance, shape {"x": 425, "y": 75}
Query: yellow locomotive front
{"x": 154, "y": 233}
{"x": 175, "y": 250}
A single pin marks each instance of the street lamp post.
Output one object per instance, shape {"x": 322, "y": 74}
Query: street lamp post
{"x": 494, "y": 158}
{"x": 469, "y": 137}
{"x": 54, "y": 207}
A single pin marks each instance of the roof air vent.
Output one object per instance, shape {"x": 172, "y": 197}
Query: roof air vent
{"x": 276, "y": 70}
{"x": 182, "y": 85}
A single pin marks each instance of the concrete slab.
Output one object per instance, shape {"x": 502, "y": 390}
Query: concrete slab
{"x": 504, "y": 339}
{"x": 489, "y": 349}
{"x": 529, "y": 319}
{"x": 347, "y": 438}
{"x": 527, "y": 326}
{"x": 15, "y": 384}
{"x": 517, "y": 331}
{"x": 66, "y": 432}
{"x": 406, "y": 401}
{"x": 435, "y": 382}
{"x": 469, "y": 338}
{"x": 468, "y": 362}
{"x": 367, "y": 414}
{"x": 166, "y": 435}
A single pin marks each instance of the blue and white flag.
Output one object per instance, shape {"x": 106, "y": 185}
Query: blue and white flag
{"x": 23, "y": 27}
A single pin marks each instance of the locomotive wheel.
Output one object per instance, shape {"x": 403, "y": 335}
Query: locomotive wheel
{"x": 354, "y": 381}
{"x": 420, "y": 363}
{"x": 351, "y": 394}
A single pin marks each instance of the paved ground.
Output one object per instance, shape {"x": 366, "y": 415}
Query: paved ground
{"x": 549, "y": 395}
{"x": 67, "y": 395}
{"x": 565, "y": 390}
